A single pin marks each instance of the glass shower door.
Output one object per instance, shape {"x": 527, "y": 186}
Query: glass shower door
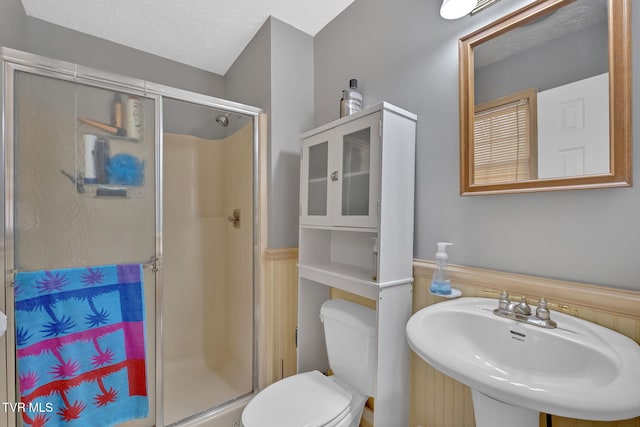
{"x": 208, "y": 260}
{"x": 83, "y": 194}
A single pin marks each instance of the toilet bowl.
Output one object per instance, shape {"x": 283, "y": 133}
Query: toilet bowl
{"x": 308, "y": 399}
{"x": 312, "y": 399}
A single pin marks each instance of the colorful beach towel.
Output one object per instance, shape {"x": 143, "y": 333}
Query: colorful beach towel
{"x": 81, "y": 350}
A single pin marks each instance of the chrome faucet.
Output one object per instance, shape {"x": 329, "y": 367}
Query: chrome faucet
{"x": 523, "y": 308}
{"x": 522, "y": 311}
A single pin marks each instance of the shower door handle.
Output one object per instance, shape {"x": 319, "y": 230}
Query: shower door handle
{"x": 234, "y": 218}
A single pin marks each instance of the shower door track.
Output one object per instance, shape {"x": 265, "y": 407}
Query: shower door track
{"x": 15, "y": 60}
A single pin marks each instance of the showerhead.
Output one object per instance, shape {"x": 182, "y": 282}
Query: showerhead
{"x": 223, "y": 119}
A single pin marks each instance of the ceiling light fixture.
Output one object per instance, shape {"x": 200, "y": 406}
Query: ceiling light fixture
{"x": 482, "y": 5}
{"x": 454, "y": 9}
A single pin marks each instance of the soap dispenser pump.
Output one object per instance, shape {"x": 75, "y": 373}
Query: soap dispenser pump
{"x": 440, "y": 283}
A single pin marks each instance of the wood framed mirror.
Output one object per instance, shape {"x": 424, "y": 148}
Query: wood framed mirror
{"x": 545, "y": 99}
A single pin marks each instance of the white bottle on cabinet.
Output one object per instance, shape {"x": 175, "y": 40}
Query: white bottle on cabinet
{"x": 352, "y": 98}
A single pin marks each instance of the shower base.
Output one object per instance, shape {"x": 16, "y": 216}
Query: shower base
{"x": 191, "y": 387}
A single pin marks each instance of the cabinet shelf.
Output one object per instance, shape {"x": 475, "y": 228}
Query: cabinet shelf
{"x": 337, "y": 228}
{"x": 347, "y": 278}
{"x": 348, "y": 272}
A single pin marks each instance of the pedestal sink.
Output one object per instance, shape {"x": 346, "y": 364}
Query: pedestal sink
{"x": 516, "y": 370}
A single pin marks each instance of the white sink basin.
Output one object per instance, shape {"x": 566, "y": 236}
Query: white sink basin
{"x": 578, "y": 370}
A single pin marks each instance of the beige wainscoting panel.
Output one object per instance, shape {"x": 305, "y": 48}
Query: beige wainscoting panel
{"x": 282, "y": 276}
{"x": 358, "y": 299}
{"x": 436, "y": 399}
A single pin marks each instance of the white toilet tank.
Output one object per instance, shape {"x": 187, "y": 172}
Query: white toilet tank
{"x": 350, "y": 333}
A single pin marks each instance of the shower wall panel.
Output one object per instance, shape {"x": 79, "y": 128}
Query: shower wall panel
{"x": 237, "y": 191}
{"x": 208, "y": 272}
{"x": 194, "y": 255}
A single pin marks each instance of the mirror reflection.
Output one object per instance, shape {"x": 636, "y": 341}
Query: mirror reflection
{"x": 536, "y": 90}
{"x": 558, "y": 62}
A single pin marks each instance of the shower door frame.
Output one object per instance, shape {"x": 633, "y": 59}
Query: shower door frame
{"x": 13, "y": 61}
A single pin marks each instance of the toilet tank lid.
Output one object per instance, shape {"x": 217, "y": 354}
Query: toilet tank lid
{"x": 359, "y": 317}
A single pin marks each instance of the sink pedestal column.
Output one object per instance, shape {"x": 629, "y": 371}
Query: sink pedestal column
{"x": 490, "y": 412}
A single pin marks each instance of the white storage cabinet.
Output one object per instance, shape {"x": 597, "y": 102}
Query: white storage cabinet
{"x": 356, "y": 234}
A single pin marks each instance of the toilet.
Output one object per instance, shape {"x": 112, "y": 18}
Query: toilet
{"x": 315, "y": 400}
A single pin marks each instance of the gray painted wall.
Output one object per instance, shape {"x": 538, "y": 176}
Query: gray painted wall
{"x": 192, "y": 119}
{"x": 291, "y": 115}
{"x": 57, "y": 42}
{"x": 12, "y": 24}
{"x": 19, "y": 31}
{"x": 275, "y": 72}
{"x": 575, "y": 56}
{"x": 247, "y": 80}
{"x": 404, "y": 53}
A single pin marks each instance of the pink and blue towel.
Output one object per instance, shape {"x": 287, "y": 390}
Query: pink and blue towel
{"x": 81, "y": 348}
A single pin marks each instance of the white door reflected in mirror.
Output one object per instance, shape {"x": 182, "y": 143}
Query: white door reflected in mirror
{"x": 573, "y": 129}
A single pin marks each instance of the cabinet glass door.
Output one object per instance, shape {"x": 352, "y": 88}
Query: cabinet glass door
{"x": 315, "y": 202}
{"x": 359, "y": 148}
{"x": 356, "y": 170}
{"x": 317, "y": 185}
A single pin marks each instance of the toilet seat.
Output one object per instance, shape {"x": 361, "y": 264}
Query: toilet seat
{"x": 304, "y": 400}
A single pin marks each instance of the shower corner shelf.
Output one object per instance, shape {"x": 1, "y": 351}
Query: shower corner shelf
{"x": 356, "y": 235}
{"x": 104, "y": 130}
{"x": 85, "y": 129}
{"x": 134, "y": 150}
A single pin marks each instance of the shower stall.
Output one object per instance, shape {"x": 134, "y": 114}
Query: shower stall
{"x": 100, "y": 169}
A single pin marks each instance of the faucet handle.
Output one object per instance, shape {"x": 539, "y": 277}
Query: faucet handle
{"x": 542, "y": 312}
{"x": 503, "y": 302}
{"x": 523, "y": 308}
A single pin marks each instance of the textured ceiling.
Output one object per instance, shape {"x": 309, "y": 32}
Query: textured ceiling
{"x": 567, "y": 19}
{"x": 207, "y": 34}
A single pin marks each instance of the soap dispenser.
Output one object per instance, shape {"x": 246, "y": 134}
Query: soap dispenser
{"x": 440, "y": 283}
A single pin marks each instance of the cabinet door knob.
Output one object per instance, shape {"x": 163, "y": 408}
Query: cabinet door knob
{"x": 334, "y": 176}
